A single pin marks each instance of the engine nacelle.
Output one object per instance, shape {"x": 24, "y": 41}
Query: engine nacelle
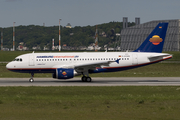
{"x": 62, "y": 73}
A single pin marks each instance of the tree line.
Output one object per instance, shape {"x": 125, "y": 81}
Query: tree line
{"x": 34, "y": 35}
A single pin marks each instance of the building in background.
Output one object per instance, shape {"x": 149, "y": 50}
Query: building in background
{"x": 132, "y": 37}
{"x": 68, "y": 25}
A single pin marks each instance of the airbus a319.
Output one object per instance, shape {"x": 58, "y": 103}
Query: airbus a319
{"x": 68, "y": 65}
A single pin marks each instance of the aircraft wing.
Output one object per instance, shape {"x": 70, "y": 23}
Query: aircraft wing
{"x": 92, "y": 66}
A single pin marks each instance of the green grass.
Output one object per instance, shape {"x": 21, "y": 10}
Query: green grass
{"x": 90, "y": 103}
{"x": 176, "y": 55}
{"x": 10, "y": 55}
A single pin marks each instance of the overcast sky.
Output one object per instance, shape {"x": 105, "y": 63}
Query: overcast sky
{"x": 84, "y": 12}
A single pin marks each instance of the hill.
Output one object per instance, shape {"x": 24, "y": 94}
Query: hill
{"x": 33, "y": 35}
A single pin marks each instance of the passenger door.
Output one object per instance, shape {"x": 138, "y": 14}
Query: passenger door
{"x": 135, "y": 59}
{"x": 31, "y": 60}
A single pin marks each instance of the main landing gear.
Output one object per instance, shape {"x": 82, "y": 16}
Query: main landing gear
{"x": 31, "y": 79}
{"x": 86, "y": 79}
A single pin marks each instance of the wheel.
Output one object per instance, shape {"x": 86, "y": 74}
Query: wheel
{"x": 31, "y": 80}
{"x": 88, "y": 79}
{"x": 84, "y": 79}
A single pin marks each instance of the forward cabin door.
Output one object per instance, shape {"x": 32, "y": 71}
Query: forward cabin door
{"x": 31, "y": 60}
{"x": 135, "y": 59}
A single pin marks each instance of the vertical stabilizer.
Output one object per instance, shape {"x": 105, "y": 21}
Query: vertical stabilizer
{"x": 155, "y": 41}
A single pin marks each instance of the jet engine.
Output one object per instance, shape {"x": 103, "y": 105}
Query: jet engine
{"x": 63, "y": 73}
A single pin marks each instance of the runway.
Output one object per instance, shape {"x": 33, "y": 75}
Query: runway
{"x": 107, "y": 81}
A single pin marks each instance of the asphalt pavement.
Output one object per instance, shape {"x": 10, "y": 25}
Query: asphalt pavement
{"x": 98, "y": 81}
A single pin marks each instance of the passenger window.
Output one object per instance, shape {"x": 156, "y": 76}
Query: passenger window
{"x": 21, "y": 59}
{"x": 36, "y": 59}
{"x": 47, "y": 59}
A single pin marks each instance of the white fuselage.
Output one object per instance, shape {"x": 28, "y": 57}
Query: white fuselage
{"x": 49, "y": 62}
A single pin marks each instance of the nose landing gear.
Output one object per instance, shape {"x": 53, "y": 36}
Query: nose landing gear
{"x": 31, "y": 79}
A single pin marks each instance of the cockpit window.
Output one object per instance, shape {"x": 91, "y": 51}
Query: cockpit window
{"x": 18, "y": 59}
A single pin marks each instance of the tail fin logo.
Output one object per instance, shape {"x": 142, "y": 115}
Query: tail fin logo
{"x": 155, "y": 40}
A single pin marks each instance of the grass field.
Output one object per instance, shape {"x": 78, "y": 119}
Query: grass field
{"x": 93, "y": 103}
{"x": 90, "y": 103}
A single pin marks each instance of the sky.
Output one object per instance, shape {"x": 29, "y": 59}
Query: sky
{"x": 84, "y": 12}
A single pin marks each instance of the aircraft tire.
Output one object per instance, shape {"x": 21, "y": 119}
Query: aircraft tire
{"x": 31, "y": 80}
{"x": 84, "y": 79}
{"x": 88, "y": 79}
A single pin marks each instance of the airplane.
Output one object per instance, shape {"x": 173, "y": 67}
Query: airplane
{"x": 68, "y": 65}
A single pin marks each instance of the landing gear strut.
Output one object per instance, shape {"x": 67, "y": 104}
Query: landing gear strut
{"x": 31, "y": 79}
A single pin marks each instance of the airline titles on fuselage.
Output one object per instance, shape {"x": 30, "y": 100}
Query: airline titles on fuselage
{"x": 57, "y": 56}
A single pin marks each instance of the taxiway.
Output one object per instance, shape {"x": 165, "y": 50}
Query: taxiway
{"x": 107, "y": 81}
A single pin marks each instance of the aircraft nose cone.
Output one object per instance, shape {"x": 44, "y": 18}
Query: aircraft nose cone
{"x": 8, "y": 66}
